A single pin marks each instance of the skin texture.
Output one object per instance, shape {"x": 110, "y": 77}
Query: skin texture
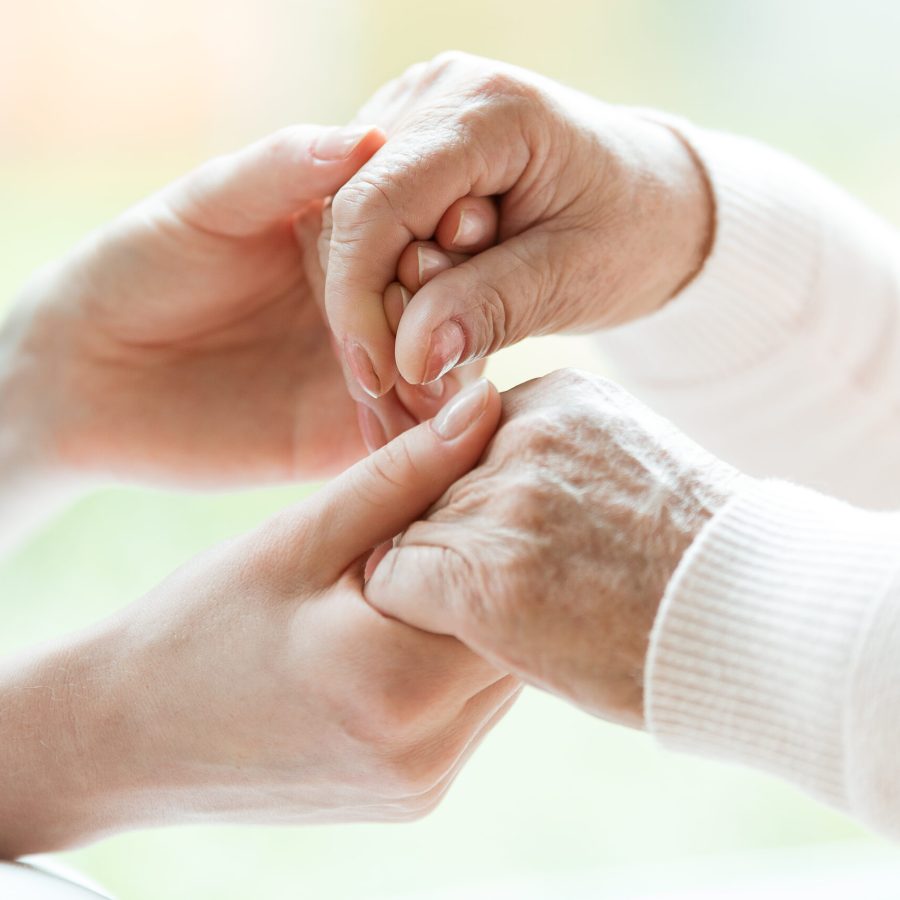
{"x": 550, "y": 559}
{"x": 183, "y": 344}
{"x": 468, "y": 226}
{"x": 255, "y": 685}
{"x": 603, "y": 216}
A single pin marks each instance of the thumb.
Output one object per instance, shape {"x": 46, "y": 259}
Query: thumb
{"x": 467, "y": 312}
{"x": 248, "y": 191}
{"x": 382, "y": 494}
{"x": 418, "y": 584}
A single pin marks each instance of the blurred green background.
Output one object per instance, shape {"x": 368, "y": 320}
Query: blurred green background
{"x": 102, "y": 101}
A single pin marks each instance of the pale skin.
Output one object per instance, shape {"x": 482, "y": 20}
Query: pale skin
{"x": 551, "y": 558}
{"x": 602, "y": 216}
{"x": 255, "y": 685}
{"x": 183, "y": 344}
{"x": 166, "y": 350}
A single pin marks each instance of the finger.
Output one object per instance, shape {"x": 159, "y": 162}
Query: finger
{"x": 469, "y": 226}
{"x": 383, "y": 419}
{"x": 423, "y": 260}
{"x": 423, "y": 401}
{"x": 379, "y": 496}
{"x": 377, "y": 556}
{"x": 415, "y": 584}
{"x": 248, "y": 191}
{"x": 396, "y": 299}
{"x": 469, "y": 311}
{"x": 475, "y": 723}
{"x": 400, "y": 196}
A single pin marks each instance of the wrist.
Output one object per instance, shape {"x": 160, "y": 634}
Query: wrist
{"x": 55, "y": 748}
{"x": 667, "y": 209}
{"x": 690, "y": 509}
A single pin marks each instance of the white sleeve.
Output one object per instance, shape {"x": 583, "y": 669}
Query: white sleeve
{"x": 783, "y": 355}
{"x": 777, "y": 645}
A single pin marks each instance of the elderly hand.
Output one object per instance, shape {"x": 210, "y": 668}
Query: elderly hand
{"x": 184, "y": 343}
{"x": 603, "y": 215}
{"x": 550, "y": 559}
{"x": 255, "y": 684}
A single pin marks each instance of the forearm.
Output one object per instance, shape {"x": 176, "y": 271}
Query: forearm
{"x": 783, "y": 355}
{"x": 56, "y": 734}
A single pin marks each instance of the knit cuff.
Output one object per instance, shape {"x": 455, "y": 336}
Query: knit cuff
{"x": 756, "y": 284}
{"x": 753, "y": 651}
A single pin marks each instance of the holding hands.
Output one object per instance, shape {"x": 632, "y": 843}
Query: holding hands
{"x": 186, "y": 344}
{"x": 603, "y": 215}
{"x": 550, "y": 559}
{"x": 255, "y": 685}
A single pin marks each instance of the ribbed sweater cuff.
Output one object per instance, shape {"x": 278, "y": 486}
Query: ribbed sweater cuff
{"x": 753, "y": 653}
{"x": 756, "y": 283}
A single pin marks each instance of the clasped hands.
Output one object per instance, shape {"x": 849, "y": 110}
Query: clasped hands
{"x": 343, "y": 660}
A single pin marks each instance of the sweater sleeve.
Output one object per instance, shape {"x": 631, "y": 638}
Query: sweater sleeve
{"x": 783, "y": 355}
{"x": 776, "y": 645}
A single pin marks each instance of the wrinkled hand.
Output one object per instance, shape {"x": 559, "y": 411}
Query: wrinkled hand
{"x": 468, "y": 226}
{"x": 255, "y": 684}
{"x": 184, "y": 343}
{"x": 550, "y": 559}
{"x": 603, "y": 215}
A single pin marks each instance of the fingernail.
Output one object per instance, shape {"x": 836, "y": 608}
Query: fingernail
{"x": 370, "y": 428}
{"x": 447, "y": 345}
{"x": 363, "y": 371}
{"x": 468, "y": 231}
{"x": 462, "y": 411}
{"x": 338, "y": 143}
{"x": 431, "y": 262}
{"x": 396, "y": 298}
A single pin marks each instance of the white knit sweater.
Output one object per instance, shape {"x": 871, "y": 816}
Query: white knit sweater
{"x": 778, "y": 641}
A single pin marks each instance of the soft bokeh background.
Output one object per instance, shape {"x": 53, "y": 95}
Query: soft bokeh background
{"x": 102, "y": 101}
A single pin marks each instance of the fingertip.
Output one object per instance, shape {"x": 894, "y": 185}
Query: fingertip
{"x": 469, "y": 225}
{"x": 421, "y": 261}
{"x": 346, "y": 144}
{"x": 396, "y": 299}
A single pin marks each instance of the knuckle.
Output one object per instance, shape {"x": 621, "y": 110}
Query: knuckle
{"x": 413, "y": 775}
{"x": 360, "y": 201}
{"x": 501, "y": 84}
{"x": 394, "y": 464}
{"x": 490, "y": 320}
{"x": 573, "y": 377}
{"x": 283, "y": 148}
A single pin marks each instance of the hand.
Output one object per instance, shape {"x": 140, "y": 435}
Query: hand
{"x": 256, "y": 685}
{"x": 470, "y": 225}
{"x": 550, "y": 559}
{"x": 183, "y": 344}
{"x": 603, "y": 215}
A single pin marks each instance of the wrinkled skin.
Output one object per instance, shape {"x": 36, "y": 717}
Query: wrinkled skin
{"x": 603, "y": 215}
{"x": 550, "y": 559}
{"x": 184, "y": 343}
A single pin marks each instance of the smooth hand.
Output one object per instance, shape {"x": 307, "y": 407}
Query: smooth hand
{"x": 183, "y": 344}
{"x": 256, "y": 685}
{"x": 603, "y": 215}
{"x": 551, "y": 558}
